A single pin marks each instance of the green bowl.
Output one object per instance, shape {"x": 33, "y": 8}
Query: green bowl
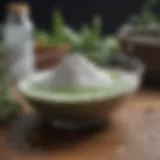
{"x": 78, "y": 103}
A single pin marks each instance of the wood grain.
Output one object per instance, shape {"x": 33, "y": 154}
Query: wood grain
{"x": 108, "y": 144}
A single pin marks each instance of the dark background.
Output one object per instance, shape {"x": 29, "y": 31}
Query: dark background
{"x": 77, "y": 12}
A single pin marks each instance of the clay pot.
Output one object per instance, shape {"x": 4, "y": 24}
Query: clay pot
{"x": 147, "y": 49}
{"x": 50, "y": 56}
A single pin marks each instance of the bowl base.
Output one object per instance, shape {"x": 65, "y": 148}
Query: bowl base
{"x": 71, "y": 125}
{"x": 27, "y": 126}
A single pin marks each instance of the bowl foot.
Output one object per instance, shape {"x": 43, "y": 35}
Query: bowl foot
{"x": 71, "y": 125}
{"x": 26, "y": 127}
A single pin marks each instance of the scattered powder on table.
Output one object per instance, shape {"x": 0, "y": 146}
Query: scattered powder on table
{"x": 77, "y": 71}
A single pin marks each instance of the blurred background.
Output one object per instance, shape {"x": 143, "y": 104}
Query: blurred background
{"x": 135, "y": 42}
{"x": 77, "y": 12}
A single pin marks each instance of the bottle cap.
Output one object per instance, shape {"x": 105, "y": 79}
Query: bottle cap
{"x": 18, "y": 8}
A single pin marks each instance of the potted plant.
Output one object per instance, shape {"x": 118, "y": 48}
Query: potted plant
{"x": 51, "y": 47}
{"x": 141, "y": 37}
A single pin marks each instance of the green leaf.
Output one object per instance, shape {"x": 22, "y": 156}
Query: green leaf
{"x": 106, "y": 48}
{"x": 147, "y": 16}
{"x": 1, "y": 49}
{"x": 149, "y": 4}
{"x": 58, "y": 23}
{"x": 8, "y": 109}
{"x": 97, "y": 26}
{"x": 73, "y": 38}
{"x": 92, "y": 35}
{"x": 42, "y": 36}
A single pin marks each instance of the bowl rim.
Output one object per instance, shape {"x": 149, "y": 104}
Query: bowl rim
{"x": 132, "y": 84}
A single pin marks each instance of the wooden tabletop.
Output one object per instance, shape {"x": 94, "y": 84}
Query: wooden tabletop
{"x": 109, "y": 144}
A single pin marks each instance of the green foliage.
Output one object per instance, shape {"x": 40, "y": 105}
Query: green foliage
{"x": 8, "y": 107}
{"x": 88, "y": 40}
{"x": 91, "y": 36}
{"x": 107, "y": 48}
{"x": 58, "y": 23}
{"x": 147, "y": 17}
{"x": 1, "y": 49}
{"x": 42, "y": 36}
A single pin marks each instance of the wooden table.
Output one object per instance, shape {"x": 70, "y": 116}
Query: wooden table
{"x": 104, "y": 145}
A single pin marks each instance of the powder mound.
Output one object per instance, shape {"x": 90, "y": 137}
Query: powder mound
{"x": 77, "y": 71}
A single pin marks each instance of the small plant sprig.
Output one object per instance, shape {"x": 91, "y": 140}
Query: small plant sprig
{"x": 146, "y": 22}
{"x": 147, "y": 17}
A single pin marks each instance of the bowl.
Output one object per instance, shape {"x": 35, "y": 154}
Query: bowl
{"x": 50, "y": 56}
{"x": 81, "y": 105}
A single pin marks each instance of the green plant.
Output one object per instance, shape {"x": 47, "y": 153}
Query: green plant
{"x": 94, "y": 45}
{"x": 8, "y": 106}
{"x": 1, "y": 49}
{"x": 88, "y": 40}
{"x": 59, "y": 34}
{"x": 146, "y": 17}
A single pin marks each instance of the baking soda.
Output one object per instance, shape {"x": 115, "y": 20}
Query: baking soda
{"x": 77, "y": 71}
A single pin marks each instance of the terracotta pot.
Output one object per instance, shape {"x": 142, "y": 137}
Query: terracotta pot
{"x": 147, "y": 49}
{"x": 50, "y": 56}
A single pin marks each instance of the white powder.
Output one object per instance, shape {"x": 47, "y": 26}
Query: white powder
{"x": 77, "y": 71}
